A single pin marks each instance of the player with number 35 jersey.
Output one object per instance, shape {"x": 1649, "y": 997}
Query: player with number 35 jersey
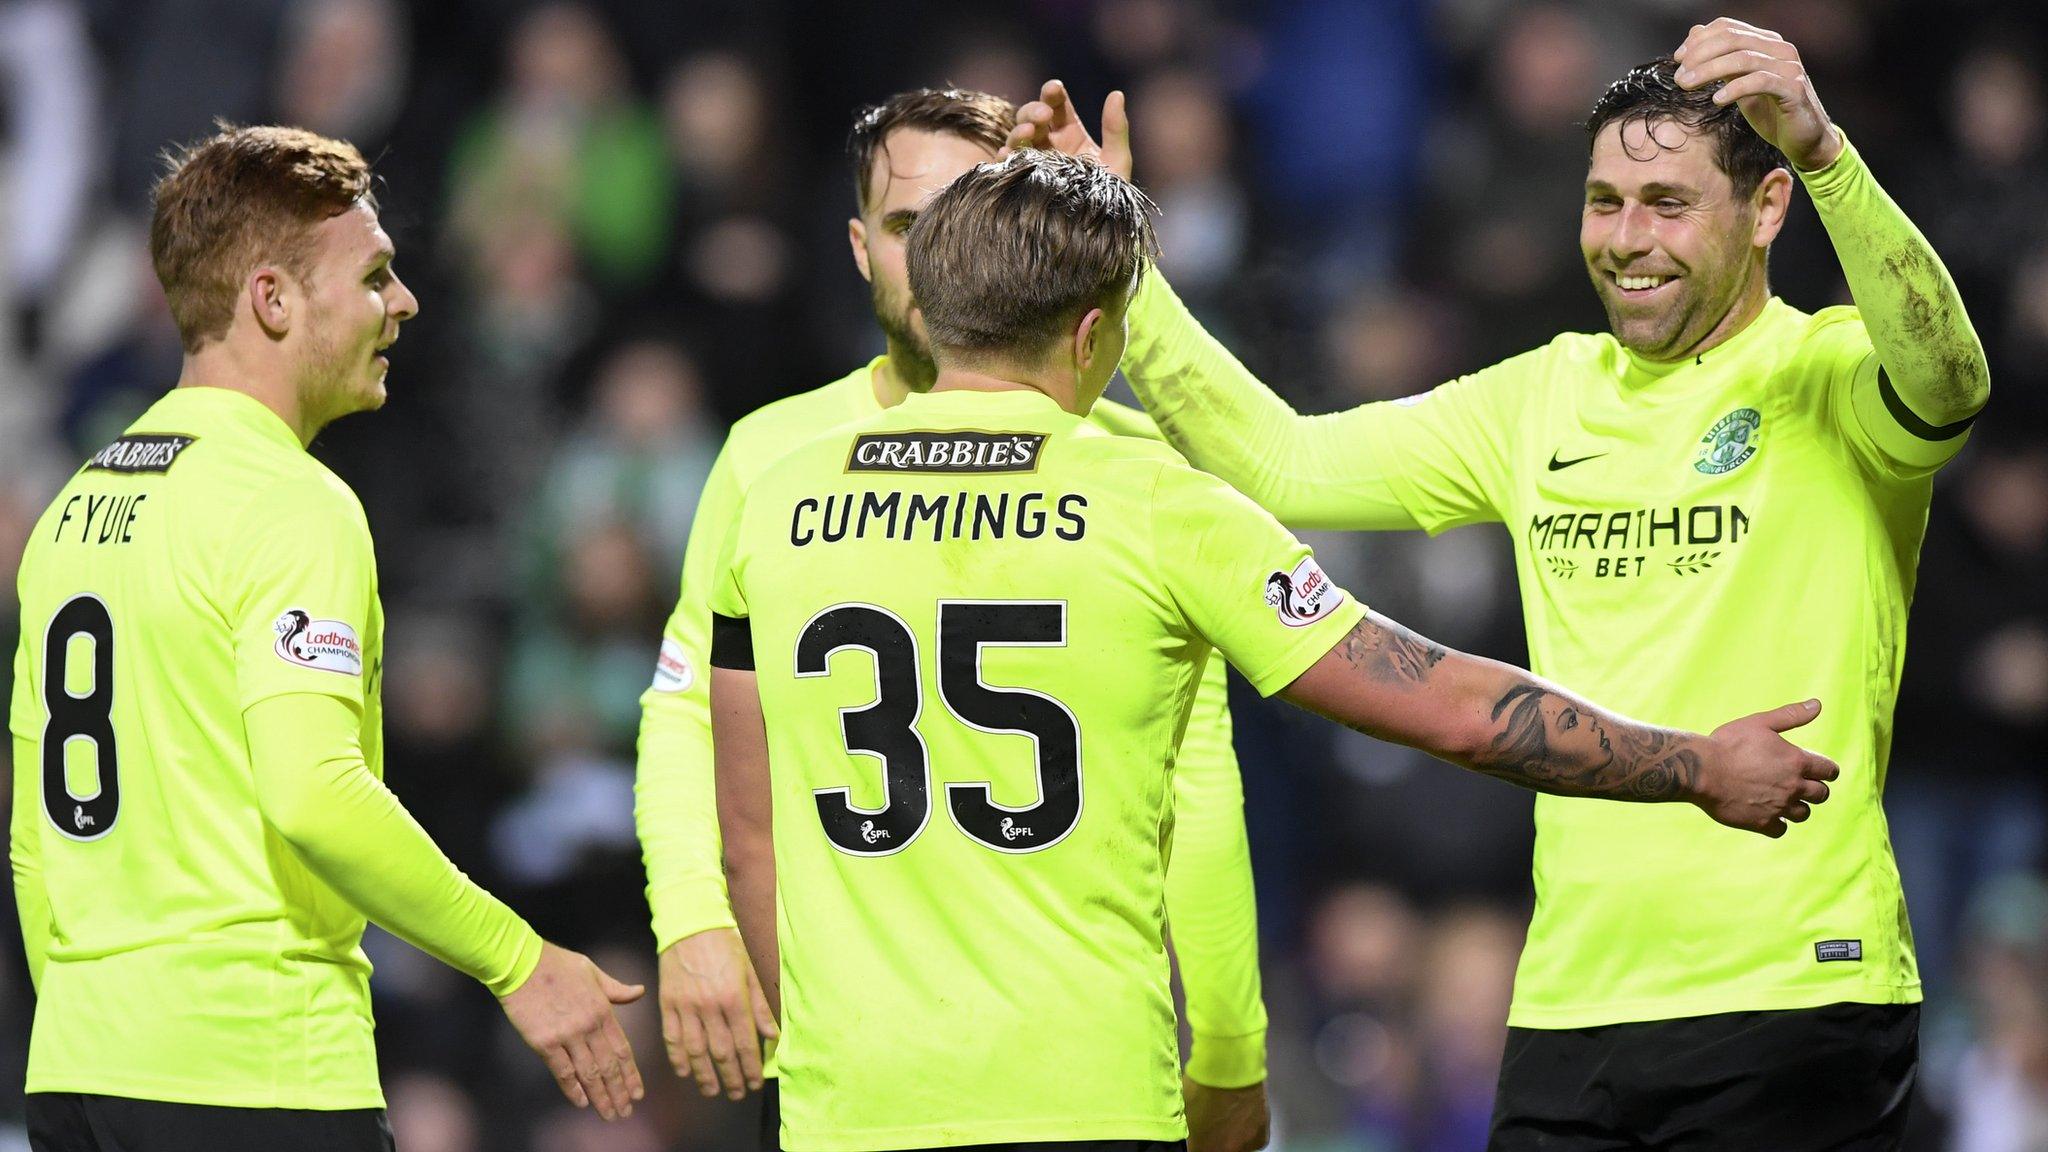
{"x": 954, "y": 647}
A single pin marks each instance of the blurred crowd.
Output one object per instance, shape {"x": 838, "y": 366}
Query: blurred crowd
{"x": 625, "y": 222}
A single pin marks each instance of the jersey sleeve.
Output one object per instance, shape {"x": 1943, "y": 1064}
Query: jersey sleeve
{"x": 31, "y": 899}
{"x": 1446, "y": 452}
{"x": 300, "y": 591}
{"x": 675, "y": 802}
{"x": 1210, "y": 905}
{"x": 1876, "y": 425}
{"x": 1242, "y": 582}
{"x": 729, "y": 613}
{"x": 1910, "y": 416}
{"x": 318, "y": 793}
{"x": 1310, "y": 471}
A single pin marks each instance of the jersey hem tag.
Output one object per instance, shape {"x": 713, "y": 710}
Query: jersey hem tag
{"x": 1827, "y": 950}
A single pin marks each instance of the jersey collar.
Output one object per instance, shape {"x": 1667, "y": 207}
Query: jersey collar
{"x": 962, "y": 402}
{"x": 206, "y": 407}
{"x": 1639, "y": 375}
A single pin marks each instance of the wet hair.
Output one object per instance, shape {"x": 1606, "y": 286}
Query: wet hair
{"x": 975, "y": 116}
{"x": 1014, "y": 250}
{"x": 236, "y": 200}
{"x": 1649, "y": 93}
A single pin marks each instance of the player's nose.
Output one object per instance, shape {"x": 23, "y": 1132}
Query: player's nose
{"x": 404, "y": 305}
{"x": 1630, "y": 236}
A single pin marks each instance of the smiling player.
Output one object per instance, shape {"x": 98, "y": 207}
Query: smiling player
{"x": 1718, "y": 502}
{"x": 946, "y": 695}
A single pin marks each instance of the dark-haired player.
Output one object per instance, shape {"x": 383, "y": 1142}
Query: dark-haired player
{"x": 200, "y": 823}
{"x": 953, "y": 648}
{"x": 902, "y": 151}
{"x": 1716, "y": 503}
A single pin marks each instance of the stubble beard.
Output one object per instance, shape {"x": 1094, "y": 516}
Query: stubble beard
{"x": 1653, "y": 336}
{"x": 337, "y": 383}
{"x": 907, "y": 348}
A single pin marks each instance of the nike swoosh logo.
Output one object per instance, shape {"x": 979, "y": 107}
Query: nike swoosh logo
{"x": 1556, "y": 464}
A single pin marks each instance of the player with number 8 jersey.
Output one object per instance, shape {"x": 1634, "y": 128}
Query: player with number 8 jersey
{"x": 200, "y": 829}
{"x": 198, "y": 565}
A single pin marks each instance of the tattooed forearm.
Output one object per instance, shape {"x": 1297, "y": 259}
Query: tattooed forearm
{"x": 1551, "y": 743}
{"x": 1389, "y": 653}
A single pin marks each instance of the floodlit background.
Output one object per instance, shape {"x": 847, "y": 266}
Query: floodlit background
{"x": 625, "y": 220}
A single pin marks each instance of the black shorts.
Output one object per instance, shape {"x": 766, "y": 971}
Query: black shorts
{"x": 74, "y": 1122}
{"x": 771, "y": 1134}
{"x": 1836, "y": 1078}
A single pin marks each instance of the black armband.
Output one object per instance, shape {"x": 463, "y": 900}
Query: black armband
{"x": 732, "y": 643}
{"x": 1911, "y": 421}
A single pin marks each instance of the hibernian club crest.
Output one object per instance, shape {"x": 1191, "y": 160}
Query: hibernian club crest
{"x": 1729, "y": 443}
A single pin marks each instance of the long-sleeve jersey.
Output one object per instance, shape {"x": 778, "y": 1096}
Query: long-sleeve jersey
{"x": 1695, "y": 541}
{"x": 1209, "y": 885}
{"x": 200, "y": 822}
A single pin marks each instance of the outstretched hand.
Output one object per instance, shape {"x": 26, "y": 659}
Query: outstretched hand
{"x": 564, "y": 1013}
{"x": 1051, "y": 123}
{"x": 1755, "y": 779}
{"x": 1761, "y": 72}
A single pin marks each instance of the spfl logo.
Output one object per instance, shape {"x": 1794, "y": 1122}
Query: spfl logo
{"x": 1303, "y": 596}
{"x": 1013, "y": 830}
{"x": 1730, "y": 442}
{"x": 872, "y": 834}
{"x": 329, "y": 645}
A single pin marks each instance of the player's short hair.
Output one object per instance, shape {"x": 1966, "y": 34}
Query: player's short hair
{"x": 1650, "y": 93}
{"x": 975, "y": 116}
{"x": 1009, "y": 254}
{"x": 236, "y": 200}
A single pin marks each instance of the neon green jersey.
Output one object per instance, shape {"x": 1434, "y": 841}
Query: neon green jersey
{"x": 1695, "y": 542}
{"x": 1209, "y": 882}
{"x": 197, "y": 567}
{"x": 979, "y": 625}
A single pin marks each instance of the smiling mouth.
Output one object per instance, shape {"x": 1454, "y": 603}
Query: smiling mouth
{"x": 1634, "y": 287}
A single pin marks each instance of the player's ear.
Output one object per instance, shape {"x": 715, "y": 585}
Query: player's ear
{"x": 857, "y": 235}
{"x": 1088, "y": 340}
{"x": 272, "y": 298}
{"x": 1772, "y": 200}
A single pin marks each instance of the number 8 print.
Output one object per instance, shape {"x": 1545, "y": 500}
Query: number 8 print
{"x": 88, "y": 717}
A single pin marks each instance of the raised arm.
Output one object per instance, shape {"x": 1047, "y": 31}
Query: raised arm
{"x": 1935, "y": 378}
{"x": 1336, "y": 471}
{"x": 1309, "y": 471}
{"x": 1387, "y": 682}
